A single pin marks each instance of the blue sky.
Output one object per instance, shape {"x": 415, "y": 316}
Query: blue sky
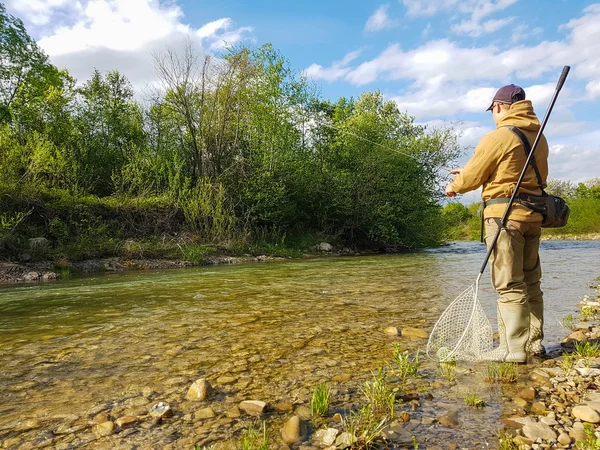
{"x": 440, "y": 60}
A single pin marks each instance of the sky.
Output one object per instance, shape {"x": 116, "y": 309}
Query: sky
{"x": 440, "y": 60}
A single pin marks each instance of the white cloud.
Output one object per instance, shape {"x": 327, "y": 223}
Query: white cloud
{"x": 380, "y": 20}
{"x": 474, "y": 28}
{"x": 477, "y": 9}
{"x": 337, "y": 70}
{"x": 116, "y": 34}
{"x": 522, "y": 32}
{"x": 593, "y": 89}
{"x": 446, "y": 60}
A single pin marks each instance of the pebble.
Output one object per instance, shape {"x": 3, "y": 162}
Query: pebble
{"x": 253, "y": 407}
{"x": 199, "y": 390}
{"x": 586, "y": 414}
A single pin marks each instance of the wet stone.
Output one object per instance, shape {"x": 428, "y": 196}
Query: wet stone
{"x": 204, "y": 413}
{"x": 104, "y": 429}
{"x": 253, "y": 407}
{"x": 199, "y": 390}
{"x": 527, "y": 393}
{"x": 538, "y": 408}
{"x": 450, "y": 419}
{"x": 161, "y": 410}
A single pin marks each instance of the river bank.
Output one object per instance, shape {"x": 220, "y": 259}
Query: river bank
{"x": 11, "y": 272}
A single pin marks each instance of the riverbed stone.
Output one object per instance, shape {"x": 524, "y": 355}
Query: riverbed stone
{"x": 522, "y": 440}
{"x": 162, "y": 410}
{"x": 253, "y": 407}
{"x": 326, "y": 437}
{"x": 100, "y": 418}
{"x": 344, "y": 440}
{"x": 392, "y": 331}
{"x": 450, "y": 419}
{"x": 586, "y": 414}
{"x": 199, "y": 390}
{"x": 520, "y": 402}
{"x": 225, "y": 380}
{"x": 538, "y": 408}
{"x": 537, "y": 430}
{"x": 126, "y": 421}
{"x": 233, "y": 412}
{"x": 341, "y": 378}
{"x": 527, "y": 393}
{"x": 578, "y": 435}
{"x": 204, "y": 413}
{"x": 104, "y": 429}
{"x": 294, "y": 430}
{"x": 414, "y": 332}
{"x": 303, "y": 412}
{"x": 564, "y": 439}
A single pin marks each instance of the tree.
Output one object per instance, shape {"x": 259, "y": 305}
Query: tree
{"x": 21, "y": 61}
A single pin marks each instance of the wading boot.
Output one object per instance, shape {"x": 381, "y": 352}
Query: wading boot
{"x": 513, "y": 328}
{"x": 536, "y": 328}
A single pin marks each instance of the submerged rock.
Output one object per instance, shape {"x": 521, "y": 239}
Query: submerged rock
{"x": 253, "y": 407}
{"x": 414, "y": 332}
{"x": 293, "y": 430}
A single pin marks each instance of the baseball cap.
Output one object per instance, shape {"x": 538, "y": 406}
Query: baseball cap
{"x": 508, "y": 95}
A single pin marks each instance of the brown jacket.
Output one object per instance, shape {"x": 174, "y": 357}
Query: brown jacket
{"x": 499, "y": 159}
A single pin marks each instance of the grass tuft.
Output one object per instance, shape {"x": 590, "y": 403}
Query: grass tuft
{"x": 363, "y": 427}
{"x": 379, "y": 396}
{"x": 587, "y": 349}
{"x": 403, "y": 364}
{"x": 472, "y": 399}
{"x": 319, "y": 400}
{"x": 255, "y": 437}
{"x": 504, "y": 372}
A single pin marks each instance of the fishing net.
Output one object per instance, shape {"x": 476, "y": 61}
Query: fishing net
{"x": 463, "y": 332}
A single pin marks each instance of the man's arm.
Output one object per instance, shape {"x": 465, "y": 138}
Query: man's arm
{"x": 478, "y": 169}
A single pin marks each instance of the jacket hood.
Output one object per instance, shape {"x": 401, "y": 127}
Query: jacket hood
{"x": 521, "y": 115}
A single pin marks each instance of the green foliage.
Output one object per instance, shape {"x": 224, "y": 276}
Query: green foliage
{"x": 505, "y": 442}
{"x": 587, "y": 349}
{"x": 448, "y": 370}
{"x": 568, "y": 362}
{"x": 504, "y": 372}
{"x": 319, "y": 400}
{"x": 462, "y": 223}
{"x": 591, "y": 442}
{"x": 404, "y": 364}
{"x": 255, "y": 437}
{"x": 568, "y": 322}
{"x": 235, "y": 146}
{"x": 364, "y": 427}
{"x": 380, "y": 397}
{"x": 472, "y": 399}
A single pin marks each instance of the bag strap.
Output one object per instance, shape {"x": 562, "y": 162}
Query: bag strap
{"x": 527, "y": 148}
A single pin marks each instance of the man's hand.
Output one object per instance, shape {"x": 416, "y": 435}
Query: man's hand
{"x": 455, "y": 171}
{"x": 450, "y": 190}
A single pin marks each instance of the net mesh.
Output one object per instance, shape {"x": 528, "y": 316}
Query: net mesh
{"x": 463, "y": 332}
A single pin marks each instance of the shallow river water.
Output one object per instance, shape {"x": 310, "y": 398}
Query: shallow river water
{"x": 120, "y": 343}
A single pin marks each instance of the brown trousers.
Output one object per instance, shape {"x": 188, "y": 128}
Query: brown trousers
{"x": 515, "y": 262}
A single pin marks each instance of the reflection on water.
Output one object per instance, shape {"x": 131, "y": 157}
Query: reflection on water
{"x": 267, "y": 331}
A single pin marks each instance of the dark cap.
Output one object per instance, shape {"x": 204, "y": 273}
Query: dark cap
{"x": 508, "y": 95}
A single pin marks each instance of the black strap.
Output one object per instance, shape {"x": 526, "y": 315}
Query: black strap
{"x": 527, "y": 148}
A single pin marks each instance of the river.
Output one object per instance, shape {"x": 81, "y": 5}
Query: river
{"x": 119, "y": 343}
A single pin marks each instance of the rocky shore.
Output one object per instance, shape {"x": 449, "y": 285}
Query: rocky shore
{"x": 11, "y": 272}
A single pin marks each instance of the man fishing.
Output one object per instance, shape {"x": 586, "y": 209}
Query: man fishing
{"x": 515, "y": 264}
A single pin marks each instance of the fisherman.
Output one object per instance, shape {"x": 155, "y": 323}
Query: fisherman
{"x": 515, "y": 264}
